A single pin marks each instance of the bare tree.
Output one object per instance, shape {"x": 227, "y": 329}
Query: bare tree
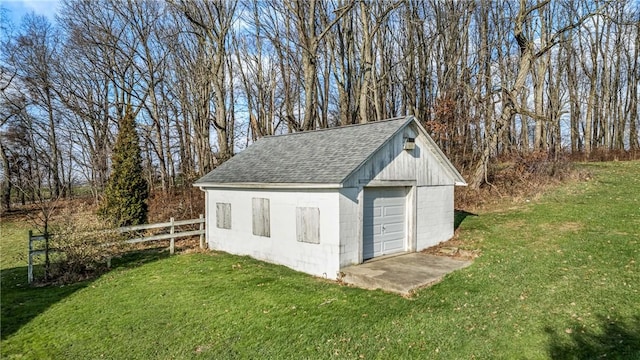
{"x": 211, "y": 22}
{"x": 305, "y": 16}
{"x": 529, "y": 53}
{"x": 258, "y": 72}
{"x": 33, "y": 55}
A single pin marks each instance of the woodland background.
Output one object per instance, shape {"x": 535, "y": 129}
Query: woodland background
{"x": 529, "y": 81}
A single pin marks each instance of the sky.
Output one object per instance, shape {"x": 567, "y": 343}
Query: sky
{"x": 19, "y": 8}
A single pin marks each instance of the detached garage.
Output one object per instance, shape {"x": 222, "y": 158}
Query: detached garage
{"x": 322, "y": 200}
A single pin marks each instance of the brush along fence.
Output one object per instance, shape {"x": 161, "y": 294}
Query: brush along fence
{"x": 39, "y": 243}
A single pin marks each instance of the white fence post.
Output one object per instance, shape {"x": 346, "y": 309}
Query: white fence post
{"x": 30, "y": 266}
{"x": 172, "y": 244}
{"x": 47, "y": 262}
{"x": 201, "y": 229}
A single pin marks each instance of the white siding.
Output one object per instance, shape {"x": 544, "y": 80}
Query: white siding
{"x": 429, "y": 170}
{"x": 282, "y": 246}
{"x": 393, "y": 163}
{"x": 434, "y": 215}
{"x": 350, "y": 226}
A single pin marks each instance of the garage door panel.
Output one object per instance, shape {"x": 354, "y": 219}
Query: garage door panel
{"x": 391, "y": 245}
{"x": 392, "y": 210}
{"x": 380, "y": 222}
{"x": 392, "y": 219}
{"x": 393, "y": 229}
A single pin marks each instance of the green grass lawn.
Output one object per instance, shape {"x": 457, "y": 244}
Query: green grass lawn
{"x": 558, "y": 278}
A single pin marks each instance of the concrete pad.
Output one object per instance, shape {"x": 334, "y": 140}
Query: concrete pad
{"x": 402, "y": 273}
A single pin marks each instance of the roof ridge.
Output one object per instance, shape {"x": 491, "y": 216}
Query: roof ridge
{"x": 406, "y": 117}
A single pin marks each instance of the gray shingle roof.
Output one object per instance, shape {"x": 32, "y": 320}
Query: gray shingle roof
{"x": 325, "y": 156}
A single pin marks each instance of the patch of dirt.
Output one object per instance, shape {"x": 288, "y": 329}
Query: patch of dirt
{"x": 453, "y": 248}
{"x": 515, "y": 225}
{"x": 569, "y": 226}
{"x": 15, "y": 214}
{"x": 32, "y": 212}
{"x": 190, "y": 245}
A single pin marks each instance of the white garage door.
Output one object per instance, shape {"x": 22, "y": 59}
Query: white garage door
{"x": 384, "y": 221}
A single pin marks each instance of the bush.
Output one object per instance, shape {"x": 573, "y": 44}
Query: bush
{"x": 518, "y": 176}
{"x": 537, "y": 167}
{"x": 84, "y": 247}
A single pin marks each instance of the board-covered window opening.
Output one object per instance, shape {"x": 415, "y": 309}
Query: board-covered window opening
{"x": 261, "y": 217}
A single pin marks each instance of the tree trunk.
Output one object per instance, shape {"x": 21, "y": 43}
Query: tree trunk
{"x": 5, "y": 186}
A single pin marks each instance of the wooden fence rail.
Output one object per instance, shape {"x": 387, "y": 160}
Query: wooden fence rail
{"x": 172, "y": 236}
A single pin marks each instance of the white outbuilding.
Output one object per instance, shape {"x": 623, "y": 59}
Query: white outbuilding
{"x": 319, "y": 201}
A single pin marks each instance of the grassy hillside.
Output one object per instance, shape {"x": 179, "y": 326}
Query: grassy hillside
{"x": 558, "y": 277}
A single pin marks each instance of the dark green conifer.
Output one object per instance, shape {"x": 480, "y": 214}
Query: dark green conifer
{"x": 125, "y": 197}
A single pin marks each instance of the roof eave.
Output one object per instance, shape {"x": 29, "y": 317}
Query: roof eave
{"x": 214, "y": 185}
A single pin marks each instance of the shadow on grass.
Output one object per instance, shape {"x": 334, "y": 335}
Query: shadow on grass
{"x": 137, "y": 258}
{"x": 618, "y": 339}
{"x": 459, "y": 216}
{"x": 22, "y": 302}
